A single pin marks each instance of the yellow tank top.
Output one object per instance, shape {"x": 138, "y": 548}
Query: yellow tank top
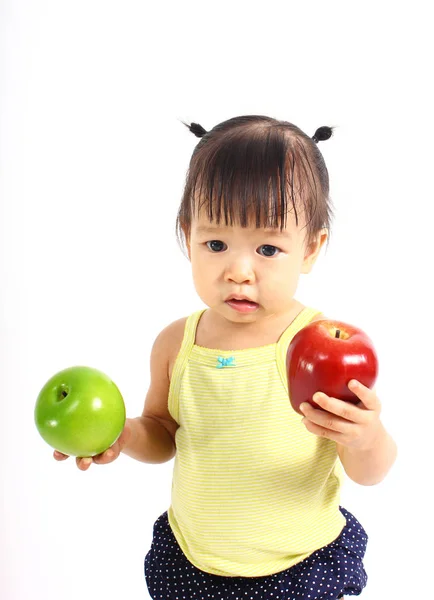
{"x": 253, "y": 492}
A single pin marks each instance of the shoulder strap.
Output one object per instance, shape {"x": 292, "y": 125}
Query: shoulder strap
{"x": 181, "y": 360}
{"x": 190, "y": 331}
{"x": 301, "y": 320}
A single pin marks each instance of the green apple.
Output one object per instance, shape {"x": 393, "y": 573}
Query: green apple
{"x": 80, "y": 412}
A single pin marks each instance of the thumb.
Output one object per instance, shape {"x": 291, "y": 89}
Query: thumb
{"x": 120, "y": 443}
{"x": 113, "y": 452}
{"x": 125, "y": 435}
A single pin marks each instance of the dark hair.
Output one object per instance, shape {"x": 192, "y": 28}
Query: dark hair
{"x": 244, "y": 169}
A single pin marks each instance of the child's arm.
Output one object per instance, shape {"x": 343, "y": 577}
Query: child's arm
{"x": 152, "y": 438}
{"x": 150, "y": 441}
{"x": 365, "y": 448}
{"x": 369, "y": 467}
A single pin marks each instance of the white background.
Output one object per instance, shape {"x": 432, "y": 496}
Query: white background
{"x": 93, "y": 161}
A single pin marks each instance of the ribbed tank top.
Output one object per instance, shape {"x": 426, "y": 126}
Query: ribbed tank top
{"x": 253, "y": 492}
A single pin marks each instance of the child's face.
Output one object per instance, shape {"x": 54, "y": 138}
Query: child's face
{"x": 263, "y": 265}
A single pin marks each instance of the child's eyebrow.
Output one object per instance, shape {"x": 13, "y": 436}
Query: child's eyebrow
{"x": 204, "y": 229}
{"x": 201, "y": 229}
{"x": 284, "y": 233}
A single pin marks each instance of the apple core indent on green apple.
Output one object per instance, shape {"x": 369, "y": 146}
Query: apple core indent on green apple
{"x": 80, "y": 412}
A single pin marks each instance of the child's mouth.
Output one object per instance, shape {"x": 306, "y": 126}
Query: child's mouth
{"x": 244, "y": 306}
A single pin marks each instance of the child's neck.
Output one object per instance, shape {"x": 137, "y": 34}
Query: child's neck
{"x": 214, "y": 331}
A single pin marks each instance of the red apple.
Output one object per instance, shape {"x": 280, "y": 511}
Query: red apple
{"x": 324, "y": 356}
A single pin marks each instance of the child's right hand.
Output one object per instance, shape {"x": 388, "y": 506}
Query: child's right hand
{"x": 104, "y": 458}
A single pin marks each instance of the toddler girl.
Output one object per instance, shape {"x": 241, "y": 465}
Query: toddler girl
{"x": 255, "y": 511}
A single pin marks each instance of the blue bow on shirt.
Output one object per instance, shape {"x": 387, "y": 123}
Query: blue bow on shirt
{"x": 225, "y": 362}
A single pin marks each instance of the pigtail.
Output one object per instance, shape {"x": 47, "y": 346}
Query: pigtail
{"x": 322, "y": 134}
{"x": 197, "y": 129}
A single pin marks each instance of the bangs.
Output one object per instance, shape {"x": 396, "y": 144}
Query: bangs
{"x": 252, "y": 176}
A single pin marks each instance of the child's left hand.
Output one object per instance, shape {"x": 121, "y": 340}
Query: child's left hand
{"x": 352, "y": 425}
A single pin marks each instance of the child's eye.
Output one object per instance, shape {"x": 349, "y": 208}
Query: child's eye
{"x": 267, "y": 250}
{"x": 216, "y": 245}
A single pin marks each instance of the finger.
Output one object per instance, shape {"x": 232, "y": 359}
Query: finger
{"x": 106, "y": 457}
{"x": 59, "y": 455}
{"x": 365, "y": 394}
{"x": 83, "y": 463}
{"x": 325, "y": 419}
{"x": 344, "y": 410}
{"x": 336, "y": 436}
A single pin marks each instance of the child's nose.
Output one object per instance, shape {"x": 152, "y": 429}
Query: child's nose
{"x": 240, "y": 270}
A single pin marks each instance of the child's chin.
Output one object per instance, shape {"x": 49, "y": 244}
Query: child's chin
{"x": 241, "y": 317}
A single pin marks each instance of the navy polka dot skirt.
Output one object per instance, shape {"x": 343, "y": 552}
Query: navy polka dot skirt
{"x": 332, "y": 572}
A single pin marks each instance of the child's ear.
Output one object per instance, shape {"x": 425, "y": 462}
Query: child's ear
{"x": 312, "y": 251}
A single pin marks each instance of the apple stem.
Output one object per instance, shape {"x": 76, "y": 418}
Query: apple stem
{"x": 62, "y": 395}
{"x": 338, "y": 333}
